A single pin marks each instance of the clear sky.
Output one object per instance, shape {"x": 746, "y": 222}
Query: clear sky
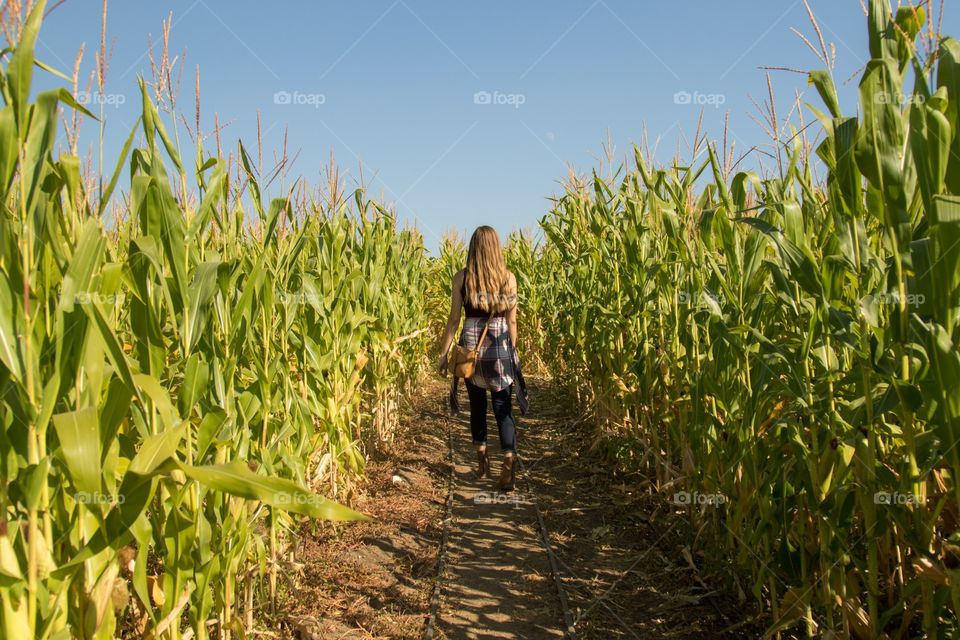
{"x": 465, "y": 113}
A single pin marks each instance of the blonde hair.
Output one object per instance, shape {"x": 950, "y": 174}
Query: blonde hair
{"x": 486, "y": 279}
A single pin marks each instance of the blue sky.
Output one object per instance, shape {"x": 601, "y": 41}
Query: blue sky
{"x": 464, "y": 113}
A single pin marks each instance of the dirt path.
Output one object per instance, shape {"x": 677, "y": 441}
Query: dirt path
{"x": 623, "y": 555}
{"x": 499, "y": 583}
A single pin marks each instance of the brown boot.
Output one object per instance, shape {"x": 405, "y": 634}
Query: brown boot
{"x": 508, "y": 473}
{"x": 483, "y": 463}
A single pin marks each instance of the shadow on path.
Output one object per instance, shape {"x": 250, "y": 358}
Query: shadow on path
{"x": 498, "y": 582}
{"x": 621, "y": 551}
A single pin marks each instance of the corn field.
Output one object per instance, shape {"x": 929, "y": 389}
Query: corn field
{"x": 179, "y": 389}
{"x": 787, "y": 348}
{"x": 184, "y": 389}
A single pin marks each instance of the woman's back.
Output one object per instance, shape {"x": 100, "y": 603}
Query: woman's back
{"x": 469, "y": 310}
{"x": 487, "y": 293}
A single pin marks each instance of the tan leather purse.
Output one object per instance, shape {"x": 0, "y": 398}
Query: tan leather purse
{"x": 462, "y": 362}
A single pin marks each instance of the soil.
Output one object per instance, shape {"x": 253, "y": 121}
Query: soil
{"x": 373, "y": 579}
{"x": 623, "y": 556}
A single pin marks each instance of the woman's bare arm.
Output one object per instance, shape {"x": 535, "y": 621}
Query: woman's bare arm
{"x": 453, "y": 320}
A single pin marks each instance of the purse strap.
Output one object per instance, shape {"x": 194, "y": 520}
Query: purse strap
{"x": 486, "y": 326}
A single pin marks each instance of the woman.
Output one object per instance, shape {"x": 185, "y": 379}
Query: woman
{"x": 482, "y": 288}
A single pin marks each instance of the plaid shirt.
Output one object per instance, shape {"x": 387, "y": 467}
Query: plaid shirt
{"x": 495, "y": 358}
{"x": 498, "y": 358}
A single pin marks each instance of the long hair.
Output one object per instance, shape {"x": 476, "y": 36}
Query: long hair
{"x": 486, "y": 280}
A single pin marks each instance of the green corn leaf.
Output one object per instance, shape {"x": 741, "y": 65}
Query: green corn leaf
{"x": 237, "y": 479}
{"x": 77, "y": 283}
{"x": 9, "y": 145}
{"x": 113, "y": 348}
{"x": 67, "y": 98}
{"x": 19, "y": 72}
{"x": 10, "y": 353}
{"x": 79, "y": 435}
{"x": 38, "y": 144}
{"x": 160, "y": 398}
{"x": 153, "y": 123}
{"x": 112, "y": 184}
{"x": 823, "y": 81}
{"x": 196, "y": 377}
{"x": 156, "y": 450}
{"x": 201, "y": 290}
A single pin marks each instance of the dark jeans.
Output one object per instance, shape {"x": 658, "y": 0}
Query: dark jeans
{"x": 501, "y": 410}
